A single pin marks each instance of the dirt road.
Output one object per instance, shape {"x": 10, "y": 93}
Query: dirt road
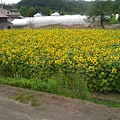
{"x": 51, "y": 107}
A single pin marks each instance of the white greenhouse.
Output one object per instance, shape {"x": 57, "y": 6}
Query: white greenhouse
{"x": 40, "y": 21}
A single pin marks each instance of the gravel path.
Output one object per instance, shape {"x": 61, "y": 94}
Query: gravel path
{"x": 51, "y": 107}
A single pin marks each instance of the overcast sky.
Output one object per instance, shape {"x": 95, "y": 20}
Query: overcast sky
{"x": 16, "y": 1}
{"x": 9, "y": 1}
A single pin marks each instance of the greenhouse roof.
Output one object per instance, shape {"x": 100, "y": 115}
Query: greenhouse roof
{"x": 38, "y": 15}
{"x": 55, "y": 14}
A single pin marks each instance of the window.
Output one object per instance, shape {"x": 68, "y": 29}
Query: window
{"x": 8, "y": 12}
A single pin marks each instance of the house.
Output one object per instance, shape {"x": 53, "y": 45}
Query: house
{"x": 4, "y": 23}
{"x": 10, "y": 12}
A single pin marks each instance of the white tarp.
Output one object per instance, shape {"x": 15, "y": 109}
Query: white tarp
{"x": 117, "y": 15}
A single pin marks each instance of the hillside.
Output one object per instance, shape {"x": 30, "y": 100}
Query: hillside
{"x": 47, "y": 7}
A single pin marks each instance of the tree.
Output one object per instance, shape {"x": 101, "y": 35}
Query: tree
{"x": 100, "y": 8}
{"x": 31, "y": 11}
{"x": 24, "y": 11}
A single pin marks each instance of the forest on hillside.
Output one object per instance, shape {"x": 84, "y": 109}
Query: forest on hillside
{"x": 46, "y": 7}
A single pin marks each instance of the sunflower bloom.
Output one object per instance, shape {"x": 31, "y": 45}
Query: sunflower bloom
{"x": 114, "y": 70}
{"x": 116, "y": 58}
{"x": 110, "y": 62}
{"x": 91, "y": 68}
{"x": 79, "y": 65}
{"x": 102, "y": 73}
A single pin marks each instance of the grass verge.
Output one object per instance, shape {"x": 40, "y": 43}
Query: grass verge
{"x": 54, "y": 86}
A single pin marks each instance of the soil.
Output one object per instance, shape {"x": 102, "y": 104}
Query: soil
{"x": 112, "y": 26}
{"x": 34, "y": 105}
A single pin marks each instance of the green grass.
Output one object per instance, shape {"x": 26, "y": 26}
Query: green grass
{"x": 27, "y": 98}
{"x": 19, "y": 96}
{"x": 54, "y": 86}
{"x": 108, "y": 103}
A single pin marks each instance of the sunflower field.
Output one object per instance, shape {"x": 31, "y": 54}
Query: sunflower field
{"x": 89, "y": 54}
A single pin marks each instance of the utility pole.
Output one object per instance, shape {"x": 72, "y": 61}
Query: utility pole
{"x": 1, "y": 3}
{"x": 1, "y": 6}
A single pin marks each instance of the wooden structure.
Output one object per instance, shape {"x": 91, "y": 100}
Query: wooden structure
{"x": 10, "y": 12}
{"x": 4, "y": 24}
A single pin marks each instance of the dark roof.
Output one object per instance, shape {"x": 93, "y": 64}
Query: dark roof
{"x": 13, "y": 16}
{"x": 10, "y": 8}
{"x": 14, "y": 10}
{"x": 2, "y": 15}
{"x": 7, "y": 7}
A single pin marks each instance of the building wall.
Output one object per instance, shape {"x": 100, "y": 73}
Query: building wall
{"x": 3, "y": 19}
{"x": 3, "y": 11}
{"x": 7, "y": 12}
{"x": 11, "y": 14}
{"x": 4, "y": 23}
